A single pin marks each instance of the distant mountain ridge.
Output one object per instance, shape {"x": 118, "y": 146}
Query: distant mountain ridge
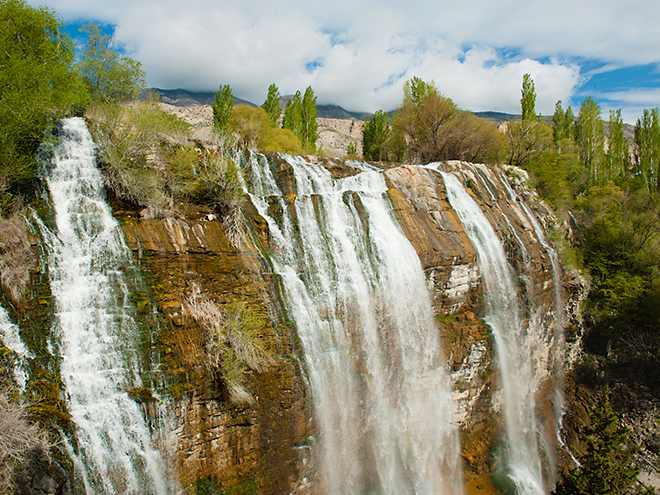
{"x": 184, "y": 98}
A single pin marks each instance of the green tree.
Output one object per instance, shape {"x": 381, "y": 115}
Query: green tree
{"x": 293, "y": 116}
{"x": 38, "y": 85}
{"x": 309, "y": 125}
{"x": 590, "y": 139}
{"x": 647, "y": 147}
{"x": 375, "y": 136}
{"x": 255, "y": 129}
{"x": 222, "y": 107}
{"x": 528, "y": 100}
{"x": 607, "y": 466}
{"x": 527, "y": 139}
{"x": 423, "y": 120}
{"x": 107, "y": 76}
{"x": 617, "y": 152}
{"x": 272, "y": 103}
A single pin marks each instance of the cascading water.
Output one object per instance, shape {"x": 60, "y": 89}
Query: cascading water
{"x": 11, "y": 339}
{"x": 504, "y": 318}
{"x": 355, "y": 289}
{"x": 95, "y": 333}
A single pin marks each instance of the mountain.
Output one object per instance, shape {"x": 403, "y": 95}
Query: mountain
{"x": 184, "y": 98}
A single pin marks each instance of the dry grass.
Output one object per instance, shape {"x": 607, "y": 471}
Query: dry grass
{"x": 17, "y": 438}
{"x": 233, "y": 341}
{"x": 16, "y": 256}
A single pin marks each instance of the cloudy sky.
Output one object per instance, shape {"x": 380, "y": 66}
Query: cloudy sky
{"x": 358, "y": 53}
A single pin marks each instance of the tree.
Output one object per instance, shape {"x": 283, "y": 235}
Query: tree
{"x": 38, "y": 85}
{"x": 617, "y": 152}
{"x": 255, "y": 129}
{"x": 528, "y": 100}
{"x": 647, "y": 147}
{"x": 309, "y": 125}
{"x": 272, "y": 103}
{"x": 527, "y": 139}
{"x": 375, "y": 135}
{"x": 423, "y": 119}
{"x": 222, "y": 107}
{"x": 590, "y": 139}
{"x": 107, "y": 76}
{"x": 607, "y": 466}
{"x": 293, "y": 118}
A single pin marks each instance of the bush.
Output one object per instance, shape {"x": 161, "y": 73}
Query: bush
{"x": 16, "y": 257}
{"x": 18, "y": 437}
{"x": 233, "y": 341}
{"x": 254, "y": 129}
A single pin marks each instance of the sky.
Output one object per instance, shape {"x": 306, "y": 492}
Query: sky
{"x": 358, "y": 53}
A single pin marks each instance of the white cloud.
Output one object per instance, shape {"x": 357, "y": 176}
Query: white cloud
{"x": 362, "y": 52}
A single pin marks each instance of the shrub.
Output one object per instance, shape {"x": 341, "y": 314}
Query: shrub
{"x": 233, "y": 341}
{"x": 18, "y": 437}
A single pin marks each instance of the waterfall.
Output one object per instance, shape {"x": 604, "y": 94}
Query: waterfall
{"x": 94, "y": 332}
{"x": 355, "y": 290}
{"x": 11, "y": 339}
{"x": 504, "y": 317}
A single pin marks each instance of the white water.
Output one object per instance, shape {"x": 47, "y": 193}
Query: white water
{"x": 504, "y": 318}
{"x": 11, "y": 339}
{"x": 355, "y": 290}
{"x": 112, "y": 449}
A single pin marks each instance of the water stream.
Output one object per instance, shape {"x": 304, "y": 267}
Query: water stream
{"x": 504, "y": 317}
{"x": 95, "y": 333}
{"x": 356, "y": 292}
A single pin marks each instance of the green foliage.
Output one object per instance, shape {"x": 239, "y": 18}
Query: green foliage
{"x": 352, "y": 149}
{"x": 293, "y": 116}
{"x": 528, "y": 100}
{"x": 141, "y": 155}
{"x": 222, "y": 107}
{"x": 107, "y": 76}
{"x": 255, "y": 130}
{"x": 272, "y": 104}
{"x": 590, "y": 139}
{"x": 527, "y": 139}
{"x": 434, "y": 129}
{"x": 647, "y": 148}
{"x": 618, "y": 156}
{"x": 309, "y": 125}
{"x": 300, "y": 118}
{"x": 423, "y": 118}
{"x": 39, "y": 85}
{"x": 563, "y": 123}
{"x": 375, "y": 137}
{"x": 607, "y": 466}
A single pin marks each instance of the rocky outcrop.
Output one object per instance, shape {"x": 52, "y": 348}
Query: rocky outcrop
{"x": 215, "y": 444}
{"x": 264, "y": 443}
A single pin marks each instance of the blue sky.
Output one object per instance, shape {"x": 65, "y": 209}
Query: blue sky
{"x": 358, "y": 53}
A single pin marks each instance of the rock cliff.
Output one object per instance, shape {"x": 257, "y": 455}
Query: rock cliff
{"x": 268, "y": 441}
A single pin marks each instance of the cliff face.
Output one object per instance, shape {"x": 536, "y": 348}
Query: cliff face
{"x": 265, "y": 442}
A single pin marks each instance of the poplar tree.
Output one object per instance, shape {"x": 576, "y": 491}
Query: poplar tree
{"x": 309, "y": 125}
{"x": 528, "y": 100}
{"x": 590, "y": 139}
{"x": 375, "y": 134}
{"x": 272, "y": 103}
{"x": 647, "y": 147}
{"x": 222, "y": 107}
{"x": 617, "y": 153}
{"x": 293, "y": 116}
